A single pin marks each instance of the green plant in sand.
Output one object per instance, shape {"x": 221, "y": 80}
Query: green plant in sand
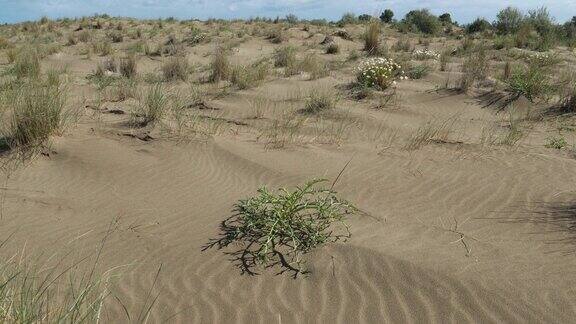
{"x": 279, "y": 227}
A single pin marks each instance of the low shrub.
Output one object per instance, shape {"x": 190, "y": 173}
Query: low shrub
{"x": 333, "y": 48}
{"x": 422, "y": 21}
{"x": 556, "y": 143}
{"x": 285, "y": 56}
{"x": 280, "y": 227}
{"x": 248, "y": 77}
{"x": 475, "y": 68}
{"x": 419, "y": 71}
{"x": 379, "y": 73}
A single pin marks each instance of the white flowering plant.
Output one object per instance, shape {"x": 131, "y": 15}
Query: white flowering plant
{"x": 425, "y": 54}
{"x": 379, "y": 72}
{"x": 543, "y": 59}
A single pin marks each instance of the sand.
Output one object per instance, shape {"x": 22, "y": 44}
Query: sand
{"x": 454, "y": 231}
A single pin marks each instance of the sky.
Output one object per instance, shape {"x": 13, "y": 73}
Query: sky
{"x": 463, "y": 11}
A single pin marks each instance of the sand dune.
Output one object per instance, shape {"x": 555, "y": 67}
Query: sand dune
{"x": 454, "y": 229}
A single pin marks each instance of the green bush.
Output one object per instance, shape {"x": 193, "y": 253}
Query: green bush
{"x": 509, "y": 20}
{"x": 556, "y": 143}
{"x": 422, "y": 21}
{"x": 386, "y": 16}
{"x": 27, "y": 64}
{"x": 333, "y": 49}
{"x": 37, "y": 113}
{"x": 532, "y": 83}
{"x": 479, "y": 25}
{"x": 251, "y": 76}
{"x": 280, "y": 227}
{"x": 419, "y": 71}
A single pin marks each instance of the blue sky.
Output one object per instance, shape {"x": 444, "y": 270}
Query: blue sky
{"x": 462, "y": 10}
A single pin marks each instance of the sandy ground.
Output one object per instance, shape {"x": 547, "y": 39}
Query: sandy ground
{"x": 454, "y": 231}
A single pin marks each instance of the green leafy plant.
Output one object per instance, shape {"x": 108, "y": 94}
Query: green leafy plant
{"x": 419, "y": 71}
{"x": 379, "y": 72}
{"x": 152, "y": 106}
{"x": 556, "y": 143}
{"x": 277, "y": 228}
{"x": 37, "y": 112}
{"x": 533, "y": 83}
{"x": 320, "y": 99}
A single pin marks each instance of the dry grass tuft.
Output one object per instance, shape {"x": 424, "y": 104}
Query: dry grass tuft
{"x": 176, "y": 68}
{"x": 127, "y": 66}
{"x": 220, "y": 66}
{"x": 372, "y": 38}
{"x": 320, "y": 99}
{"x": 249, "y": 77}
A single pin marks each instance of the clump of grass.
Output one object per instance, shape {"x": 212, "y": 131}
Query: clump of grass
{"x": 27, "y": 64}
{"x": 285, "y": 56}
{"x": 445, "y": 60}
{"x": 105, "y": 67}
{"x": 220, "y": 66}
{"x": 402, "y": 45}
{"x": 102, "y": 48}
{"x": 353, "y": 55}
{"x": 431, "y": 131}
{"x": 152, "y": 106}
{"x": 71, "y": 40}
{"x": 475, "y": 68}
{"x": 11, "y": 55}
{"x": 35, "y": 293}
{"x": 333, "y": 48}
{"x": 176, "y": 68}
{"x": 248, "y": 77}
{"x": 280, "y": 227}
{"x": 372, "y": 38}
{"x": 556, "y": 142}
{"x": 276, "y": 35}
{"x": 531, "y": 82}
{"x": 314, "y": 66}
{"x": 116, "y": 37}
{"x": 127, "y": 66}
{"x": 126, "y": 89}
{"x": 4, "y": 43}
{"x": 514, "y": 132}
{"x": 37, "y": 112}
{"x": 84, "y": 36}
{"x": 419, "y": 71}
{"x": 319, "y": 100}
{"x": 569, "y": 101}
